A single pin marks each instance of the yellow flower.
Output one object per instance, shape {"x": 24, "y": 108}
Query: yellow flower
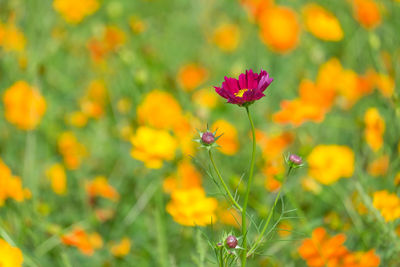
{"x": 375, "y": 127}
{"x": 329, "y": 163}
{"x": 93, "y": 102}
{"x": 74, "y": 11}
{"x": 191, "y": 76}
{"x": 153, "y": 146}
{"x": 159, "y": 110}
{"x": 186, "y": 177}
{"x": 11, "y": 38}
{"x": 228, "y": 142}
{"x": 388, "y": 204}
{"x": 56, "y": 174}
{"x": 309, "y": 184}
{"x": 191, "y": 207}
{"x": 72, "y": 151}
{"x": 137, "y": 25}
{"x": 124, "y": 105}
{"x": 122, "y": 248}
{"x": 379, "y": 166}
{"x": 77, "y": 119}
{"x": 322, "y": 23}
{"x": 11, "y": 186}
{"x": 279, "y": 28}
{"x": 385, "y": 84}
{"x": 205, "y": 98}
{"x": 24, "y": 105}
{"x": 99, "y": 187}
{"x": 227, "y": 37}
{"x": 10, "y": 256}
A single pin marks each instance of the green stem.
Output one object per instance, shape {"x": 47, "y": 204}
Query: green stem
{"x": 221, "y": 258}
{"x": 234, "y": 202}
{"x": 246, "y": 197}
{"x": 161, "y": 237}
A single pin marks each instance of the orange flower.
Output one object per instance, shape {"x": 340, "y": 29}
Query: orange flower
{"x": 227, "y": 37}
{"x": 93, "y": 102}
{"x": 279, "y": 28}
{"x": 191, "y": 76}
{"x": 77, "y": 119}
{"x": 229, "y": 216}
{"x": 24, "y": 105}
{"x": 86, "y": 243}
{"x": 11, "y": 38}
{"x": 385, "y": 84}
{"x": 256, "y": 8}
{"x": 58, "y": 178}
{"x": 11, "y": 186}
{"x": 321, "y": 250}
{"x": 312, "y": 105}
{"x": 322, "y": 23}
{"x": 273, "y": 146}
{"x": 228, "y": 142}
{"x": 112, "y": 38}
{"x": 272, "y": 171}
{"x": 122, "y": 248}
{"x": 74, "y": 11}
{"x": 99, "y": 187}
{"x": 186, "y": 177}
{"x": 367, "y": 13}
{"x": 72, "y": 151}
{"x": 285, "y": 228}
{"x": 374, "y": 128}
{"x": 159, "y": 109}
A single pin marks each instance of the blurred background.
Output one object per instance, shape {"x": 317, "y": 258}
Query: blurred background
{"x": 101, "y": 101}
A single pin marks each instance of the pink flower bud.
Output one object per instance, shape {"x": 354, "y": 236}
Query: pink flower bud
{"x": 208, "y": 138}
{"x": 231, "y": 241}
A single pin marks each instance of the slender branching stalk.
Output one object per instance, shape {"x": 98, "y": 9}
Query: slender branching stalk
{"x": 234, "y": 202}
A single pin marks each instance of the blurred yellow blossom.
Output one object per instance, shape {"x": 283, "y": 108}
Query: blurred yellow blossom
{"x": 191, "y": 76}
{"x": 385, "y": 84}
{"x": 11, "y": 186}
{"x": 93, "y": 102}
{"x": 273, "y": 146}
{"x": 309, "y": 184}
{"x": 328, "y": 163}
{"x": 10, "y": 256}
{"x": 58, "y": 178}
{"x": 160, "y": 110}
{"x": 272, "y": 171}
{"x": 205, "y": 98}
{"x": 186, "y": 177}
{"x": 227, "y": 37}
{"x": 279, "y": 28}
{"x": 77, "y": 119}
{"x": 229, "y": 143}
{"x": 99, "y": 187}
{"x": 153, "y": 146}
{"x": 122, "y": 248}
{"x": 137, "y": 24}
{"x": 374, "y": 128}
{"x": 86, "y": 243}
{"x": 74, "y": 11}
{"x": 256, "y": 7}
{"x": 11, "y": 38}
{"x": 367, "y": 13}
{"x": 24, "y": 105}
{"x": 379, "y": 166}
{"x": 124, "y": 105}
{"x": 111, "y": 39}
{"x": 72, "y": 151}
{"x": 388, "y": 204}
{"x": 228, "y": 216}
{"x": 191, "y": 207}
{"x": 322, "y": 23}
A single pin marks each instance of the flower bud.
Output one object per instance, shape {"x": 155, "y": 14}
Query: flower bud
{"x": 295, "y": 159}
{"x": 207, "y": 138}
{"x": 231, "y": 241}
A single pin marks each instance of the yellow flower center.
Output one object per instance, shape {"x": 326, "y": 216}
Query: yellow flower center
{"x": 241, "y": 92}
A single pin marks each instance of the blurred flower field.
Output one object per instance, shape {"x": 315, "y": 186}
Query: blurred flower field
{"x": 103, "y": 101}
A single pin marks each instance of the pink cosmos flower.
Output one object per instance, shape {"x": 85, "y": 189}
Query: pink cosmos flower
{"x": 248, "y": 88}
